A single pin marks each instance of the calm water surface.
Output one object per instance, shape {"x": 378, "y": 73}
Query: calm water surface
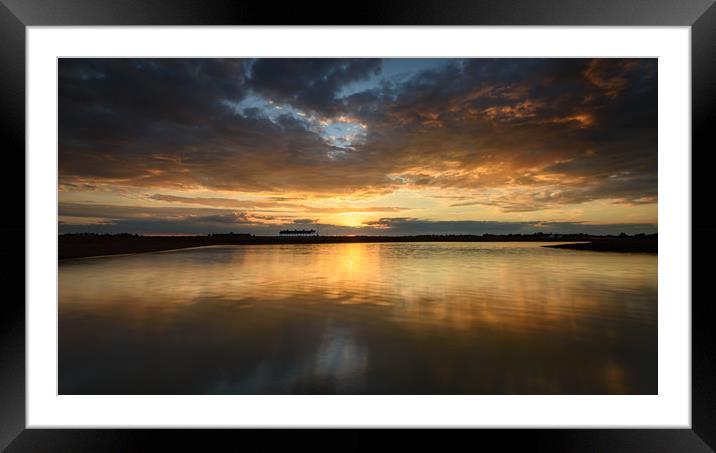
{"x": 401, "y": 318}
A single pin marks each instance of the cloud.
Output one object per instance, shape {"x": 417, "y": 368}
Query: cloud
{"x": 77, "y": 218}
{"x": 310, "y": 83}
{"x": 274, "y": 203}
{"x": 516, "y": 134}
{"x": 234, "y": 218}
{"x": 221, "y": 202}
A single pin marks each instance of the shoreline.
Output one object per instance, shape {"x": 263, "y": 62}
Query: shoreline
{"x": 80, "y": 246}
{"x": 613, "y": 245}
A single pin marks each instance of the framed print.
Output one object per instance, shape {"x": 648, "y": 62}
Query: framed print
{"x": 446, "y": 216}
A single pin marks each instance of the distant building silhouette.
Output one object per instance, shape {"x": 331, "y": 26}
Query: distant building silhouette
{"x": 298, "y": 233}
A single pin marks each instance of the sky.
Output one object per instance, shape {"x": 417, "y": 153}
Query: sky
{"x": 357, "y": 146}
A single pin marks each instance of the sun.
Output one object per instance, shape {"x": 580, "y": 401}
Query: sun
{"x": 351, "y": 219}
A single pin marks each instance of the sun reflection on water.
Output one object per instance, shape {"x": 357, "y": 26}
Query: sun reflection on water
{"x": 362, "y": 318}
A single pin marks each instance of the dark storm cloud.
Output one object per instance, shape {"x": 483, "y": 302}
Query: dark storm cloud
{"x": 176, "y": 90}
{"x": 119, "y": 101}
{"x": 560, "y": 130}
{"x": 530, "y": 113}
{"x": 310, "y": 83}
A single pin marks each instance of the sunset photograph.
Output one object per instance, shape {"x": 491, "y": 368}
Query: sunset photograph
{"x": 273, "y": 226}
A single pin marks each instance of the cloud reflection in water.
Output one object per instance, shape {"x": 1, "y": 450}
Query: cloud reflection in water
{"x": 481, "y": 318}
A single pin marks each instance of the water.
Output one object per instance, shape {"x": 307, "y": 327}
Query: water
{"x": 401, "y": 318}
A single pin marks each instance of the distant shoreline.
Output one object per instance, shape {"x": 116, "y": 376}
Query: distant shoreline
{"x": 628, "y": 245}
{"x": 84, "y": 246}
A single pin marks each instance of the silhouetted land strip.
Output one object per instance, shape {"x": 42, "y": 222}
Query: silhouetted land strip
{"x": 86, "y": 245}
{"x": 627, "y": 245}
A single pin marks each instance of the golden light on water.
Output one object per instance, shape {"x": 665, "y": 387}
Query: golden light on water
{"x": 433, "y": 301}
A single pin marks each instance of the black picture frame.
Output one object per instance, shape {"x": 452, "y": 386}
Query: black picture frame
{"x": 16, "y": 15}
